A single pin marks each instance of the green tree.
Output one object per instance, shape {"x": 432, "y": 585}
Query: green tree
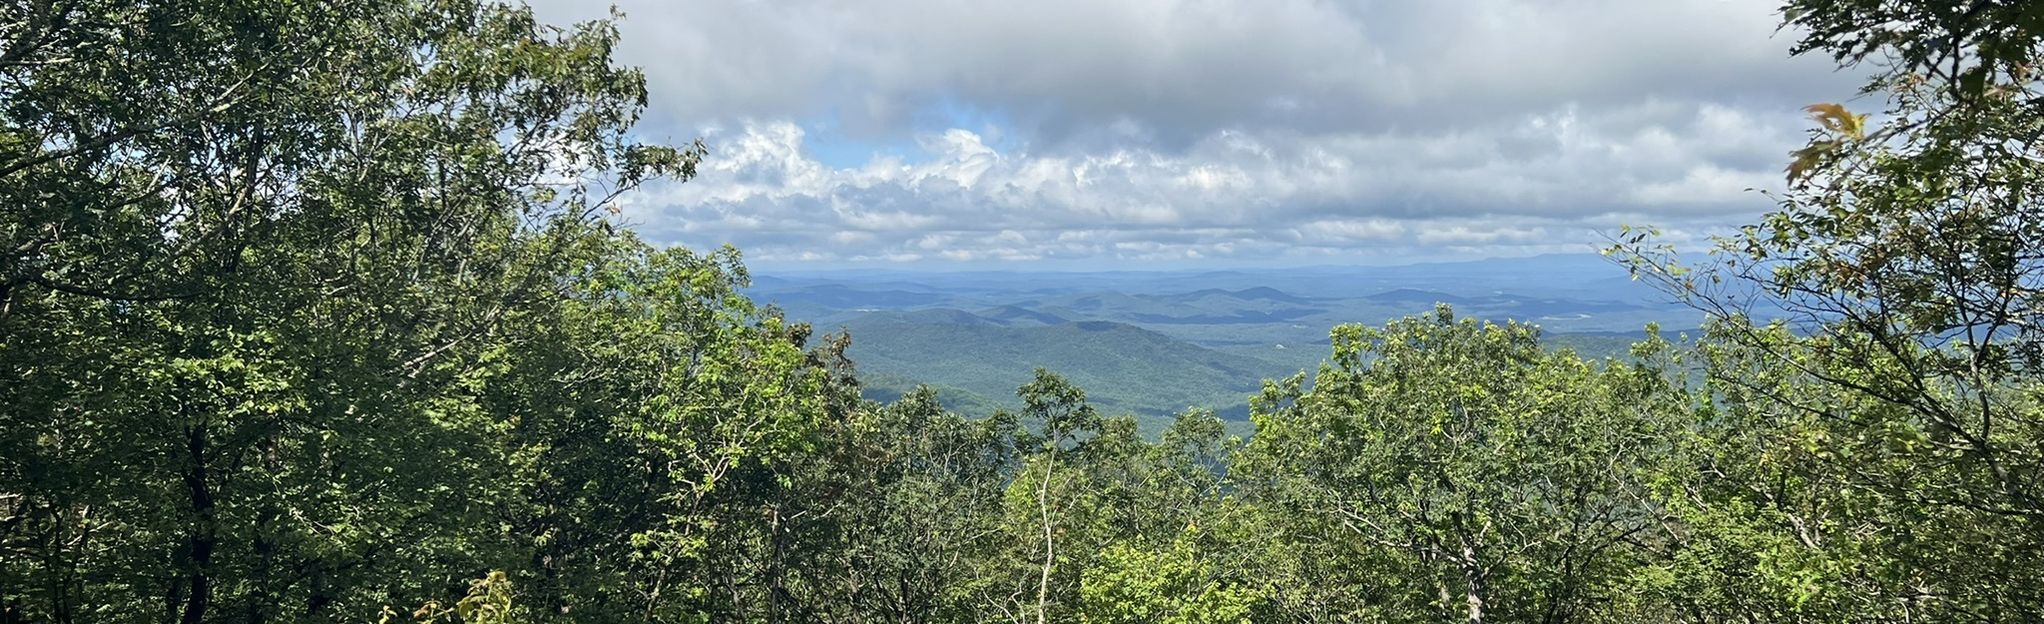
{"x": 647, "y": 430}
{"x": 1041, "y": 501}
{"x": 488, "y": 602}
{"x": 1482, "y": 477}
{"x": 260, "y": 259}
{"x": 919, "y": 516}
{"x": 1876, "y": 339}
{"x": 1174, "y": 585}
{"x": 1087, "y": 484}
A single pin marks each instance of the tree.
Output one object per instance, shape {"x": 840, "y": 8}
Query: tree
{"x": 1886, "y": 319}
{"x": 259, "y": 258}
{"x": 1041, "y": 499}
{"x": 1173, "y": 585}
{"x": 648, "y": 430}
{"x": 920, "y": 536}
{"x": 1485, "y": 478}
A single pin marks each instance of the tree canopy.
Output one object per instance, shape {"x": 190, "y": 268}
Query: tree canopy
{"x": 323, "y": 311}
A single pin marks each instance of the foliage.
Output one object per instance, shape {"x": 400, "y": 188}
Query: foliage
{"x": 1132, "y": 585}
{"x": 310, "y": 308}
{"x": 1873, "y": 448}
{"x": 1478, "y": 474}
{"x": 488, "y": 602}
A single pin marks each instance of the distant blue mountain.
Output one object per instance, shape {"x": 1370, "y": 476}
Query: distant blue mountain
{"x": 1259, "y": 293}
{"x": 1013, "y": 314}
{"x": 1128, "y": 335}
{"x": 1414, "y": 295}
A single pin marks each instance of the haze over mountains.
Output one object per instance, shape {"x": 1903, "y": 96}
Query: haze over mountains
{"x": 1153, "y": 343}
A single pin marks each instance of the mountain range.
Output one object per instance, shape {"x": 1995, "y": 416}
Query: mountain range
{"x": 1153, "y": 343}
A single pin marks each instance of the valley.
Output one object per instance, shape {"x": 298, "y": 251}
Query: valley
{"x": 1154, "y": 343}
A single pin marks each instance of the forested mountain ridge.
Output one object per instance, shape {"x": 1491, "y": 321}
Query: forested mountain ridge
{"x": 975, "y": 336}
{"x": 1139, "y": 366}
{"x": 1143, "y": 373}
{"x": 322, "y": 311}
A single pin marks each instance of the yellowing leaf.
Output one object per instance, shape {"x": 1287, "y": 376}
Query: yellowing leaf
{"x": 1835, "y": 118}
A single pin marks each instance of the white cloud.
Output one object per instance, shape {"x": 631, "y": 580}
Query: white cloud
{"x": 1210, "y": 129}
{"x": 1183, "y": 69}
{"x": 1529, "y": 183}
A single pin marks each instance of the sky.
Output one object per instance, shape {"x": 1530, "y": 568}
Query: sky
{"x": 1207, "y": 133}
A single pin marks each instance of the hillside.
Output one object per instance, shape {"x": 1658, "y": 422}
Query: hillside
{"x": 1151, "y": 344}
{"x": 973, "y": 360}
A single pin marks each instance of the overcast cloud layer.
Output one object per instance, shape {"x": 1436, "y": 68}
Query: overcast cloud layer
{"x": 1174, "y": 132}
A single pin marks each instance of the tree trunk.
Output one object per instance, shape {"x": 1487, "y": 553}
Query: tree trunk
{"x": 1472, "y": 590}
{"x": 1049, "y": 544}
{"x": 204, "y": 536}
{"x": 321, "y": 588}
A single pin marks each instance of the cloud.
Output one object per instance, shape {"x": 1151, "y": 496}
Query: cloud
{"x": 1183, "y": 69}
{"x": 1209, "y": 129}
{"x": 1531, "y": 183}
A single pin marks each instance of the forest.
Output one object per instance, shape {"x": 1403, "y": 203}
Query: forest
{"x": 324, "y": 311}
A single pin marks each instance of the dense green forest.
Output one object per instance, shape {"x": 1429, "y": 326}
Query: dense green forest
{"x": 321, "y": 311}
